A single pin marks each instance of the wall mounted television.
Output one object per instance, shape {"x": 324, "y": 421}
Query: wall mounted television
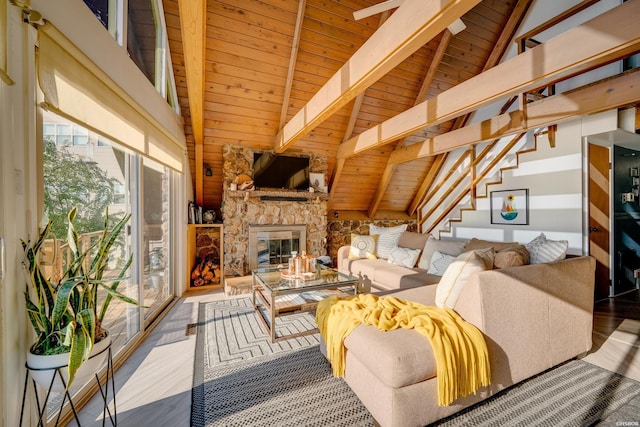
{"x": 272, "y": 170}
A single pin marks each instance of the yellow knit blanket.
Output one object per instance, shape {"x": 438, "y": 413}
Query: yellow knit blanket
{"x": 462, "y": 361}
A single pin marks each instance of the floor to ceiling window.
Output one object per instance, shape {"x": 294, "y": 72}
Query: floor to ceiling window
{"x": 156, "y": 245}
{"x": 84, "y": 170}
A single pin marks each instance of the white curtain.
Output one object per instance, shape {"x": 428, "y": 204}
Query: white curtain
{"x": 75, "y": 88}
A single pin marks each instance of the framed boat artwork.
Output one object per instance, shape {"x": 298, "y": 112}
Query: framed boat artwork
{"x": 510, "y": 207}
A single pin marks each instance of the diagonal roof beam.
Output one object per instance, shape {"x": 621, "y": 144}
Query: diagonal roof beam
{"x": 607, "y": 37}
{"x": 508, "y": 32}
{"x": 410, "y": 27}
{"x": 387, "y": 175}
{"x": 295, "y": 46}
{"x": 616, "y": 92}
{"x": 351, "y": 124}
{"x": 193, "y": 24}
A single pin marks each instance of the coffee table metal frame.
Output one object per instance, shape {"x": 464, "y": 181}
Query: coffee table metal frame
{"x": 268, "y": 284}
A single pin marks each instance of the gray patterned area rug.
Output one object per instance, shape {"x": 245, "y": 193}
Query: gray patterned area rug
{"x": 575, "y": 393}
{"x": 242, "y": 379}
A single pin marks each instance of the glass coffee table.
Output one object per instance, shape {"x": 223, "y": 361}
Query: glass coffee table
{"x": 275, "y": 295}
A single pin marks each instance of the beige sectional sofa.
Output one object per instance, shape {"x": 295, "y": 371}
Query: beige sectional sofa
{"x": 533, "y": 317}
{"x": 378, "y": 274}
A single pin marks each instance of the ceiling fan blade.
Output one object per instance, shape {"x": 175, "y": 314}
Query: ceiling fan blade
{"x": 377, "y": 8}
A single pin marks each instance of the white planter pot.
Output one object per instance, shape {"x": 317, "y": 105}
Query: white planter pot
{"x": 43, "y": 367}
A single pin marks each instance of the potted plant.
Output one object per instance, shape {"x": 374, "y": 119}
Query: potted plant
{"x": 66, "y": 314}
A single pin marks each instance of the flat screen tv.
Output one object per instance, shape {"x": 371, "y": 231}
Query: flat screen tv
{"x": 272, "y": 170}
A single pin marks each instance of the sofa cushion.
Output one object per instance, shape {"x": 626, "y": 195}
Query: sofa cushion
{"x": 363, "y": 246}
{"x": 387, "y": 238}
{"x": 513, "y": 256}
{"x": 413, "y": 240}
{"x": 398, "y": 358}
{"x": 544, "y": 250}
{"x": 363, "y": 268}
{"x": 391, "y": 276}
{"x": 456, "y": 277}
{"x": 439, "y": 263}
{"x": 404, "y": 256}
{"x": 474, "y": 244}
{"x": 446, "y": 246}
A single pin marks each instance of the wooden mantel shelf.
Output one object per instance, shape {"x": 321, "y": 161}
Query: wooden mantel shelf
{"x": 274, "y": 195}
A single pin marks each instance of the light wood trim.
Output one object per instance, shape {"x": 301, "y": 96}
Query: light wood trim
{"x": 193, "y": 24}
{"x": 609, "y": 36}
{"x": 295, "y": 46}
{"x": 458, "y": 180}
{"x": 409, "y": 28}
{"x": 433, "y": 172}
{"x": 476, "y": 177}
{"x": 611, "y": 93}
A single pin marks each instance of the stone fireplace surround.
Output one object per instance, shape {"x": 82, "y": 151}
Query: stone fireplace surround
{"x": 267, "y": 207}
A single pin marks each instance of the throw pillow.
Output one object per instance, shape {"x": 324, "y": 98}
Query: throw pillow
{"x": 363, "y": 246}
{"x": 387, "y": 238}
{"x": 513, "y": 256}
{"x": 413, "y": 240}
{"x": 475, "y": 244}
{"x": 445, "y": 246}
{"x": 439, "y": 263}
{"x": 457, "y": 275}
{"x": 544, "y": 250}
{"x": 404, "y": 256}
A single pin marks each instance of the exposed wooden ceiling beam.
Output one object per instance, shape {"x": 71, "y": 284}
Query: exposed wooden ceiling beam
{"x": 506, "y": 36}
{"x": 385, "y": 6}
{"x": 615, "y": 92}
{"x": 387, "y": 175}
{"x": 607, "y": 37}
{"x": 410, "y": 27}
{"x": 193, "y": 24}
{"x": 351, "y": 124}
{"x": 295, "y": 46}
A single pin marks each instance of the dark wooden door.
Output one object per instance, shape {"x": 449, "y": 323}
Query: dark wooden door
{"x": 599, "y": 217}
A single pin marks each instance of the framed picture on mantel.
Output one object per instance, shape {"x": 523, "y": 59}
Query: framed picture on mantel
{"x": 510, "y": 207}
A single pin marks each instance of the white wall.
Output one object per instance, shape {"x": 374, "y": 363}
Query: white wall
{"x": 18, "y": 206}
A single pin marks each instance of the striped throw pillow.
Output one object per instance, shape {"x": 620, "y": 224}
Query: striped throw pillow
{"x": 387, "y": 238}
{"x": 543, "y": 250}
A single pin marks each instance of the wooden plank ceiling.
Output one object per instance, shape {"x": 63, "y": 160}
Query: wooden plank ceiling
{"x": 264, "y": 60}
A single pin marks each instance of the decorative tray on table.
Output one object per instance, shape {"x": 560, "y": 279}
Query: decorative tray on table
{"x": 304, "y": 276}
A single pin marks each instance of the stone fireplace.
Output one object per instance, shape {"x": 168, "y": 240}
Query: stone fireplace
{"x": 271, "y": 210}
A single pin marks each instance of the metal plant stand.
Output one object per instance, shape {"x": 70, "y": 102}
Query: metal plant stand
{"x": 42, "y": 408}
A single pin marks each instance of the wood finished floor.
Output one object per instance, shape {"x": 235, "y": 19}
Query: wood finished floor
{"x": 154, "y": 384}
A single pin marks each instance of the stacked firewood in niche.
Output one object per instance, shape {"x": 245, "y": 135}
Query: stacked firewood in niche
{"x": 206, "y": 271}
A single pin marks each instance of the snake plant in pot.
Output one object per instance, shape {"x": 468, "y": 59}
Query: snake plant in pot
{"x": 67, "y": 313}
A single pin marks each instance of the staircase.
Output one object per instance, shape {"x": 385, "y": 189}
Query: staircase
{"x": 466, "y": 176}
